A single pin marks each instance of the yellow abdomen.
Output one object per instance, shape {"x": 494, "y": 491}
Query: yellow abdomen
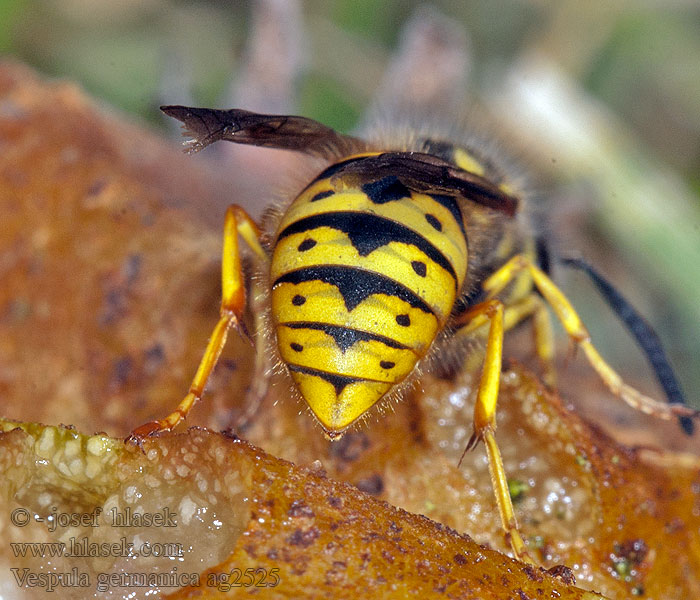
{"x": 364, "y": 276}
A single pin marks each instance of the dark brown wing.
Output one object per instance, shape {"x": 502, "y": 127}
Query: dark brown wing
{"x": 208, "y": 125}
{"x": 419, "y": 171}
{"x": 430, "y": 174}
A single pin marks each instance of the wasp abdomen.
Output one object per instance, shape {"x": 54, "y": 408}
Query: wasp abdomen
{"x": 365, "y": 272}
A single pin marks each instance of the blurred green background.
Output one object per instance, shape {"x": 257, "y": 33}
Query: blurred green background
{"x": 601, "y": 99}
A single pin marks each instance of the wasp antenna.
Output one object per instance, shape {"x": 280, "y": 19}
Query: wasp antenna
{"x": 643, "y": 333}
{"x": 286, "y": 132}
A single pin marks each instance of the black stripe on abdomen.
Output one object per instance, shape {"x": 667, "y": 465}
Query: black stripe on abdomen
{"x": 355, "y": 285}
{"x": 345, "y": 337}
{"x": 339, "y": 382}
{"x": 367, "y": 232}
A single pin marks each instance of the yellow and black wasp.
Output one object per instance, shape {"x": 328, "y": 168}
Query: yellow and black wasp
{"x": 392, "y": 255}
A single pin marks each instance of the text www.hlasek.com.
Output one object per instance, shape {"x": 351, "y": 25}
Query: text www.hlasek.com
{"x": 84, "y": 548}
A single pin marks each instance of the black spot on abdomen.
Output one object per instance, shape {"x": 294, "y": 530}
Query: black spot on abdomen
{"x": 419, "y": 267}
{"x": 403, "y": 320}
{"x": 322, "y": 195}
{"x": 307, "y": 244}
{"x": 434, "y": 222}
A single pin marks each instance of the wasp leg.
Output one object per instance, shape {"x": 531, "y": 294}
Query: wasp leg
{"x": 260, "y": 380}
{"x": 544, "y": 342}
{"x": 530, "y": 306}
{"x": 233, "y": 303}
{"x": 579, "y": 334}
{"x": 492, "y": 311}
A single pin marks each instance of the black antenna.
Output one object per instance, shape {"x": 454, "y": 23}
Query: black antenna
{"x": 644, "y": 334}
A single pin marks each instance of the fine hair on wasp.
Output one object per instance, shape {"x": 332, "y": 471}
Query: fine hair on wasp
{"x": 394, "y": 251}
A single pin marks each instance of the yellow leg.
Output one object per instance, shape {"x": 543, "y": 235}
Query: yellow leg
{"x": 233, "y": 303}
{"x": 485, "y": 418}
{"x": 530, "y": 306}
{"x": 579, "y": 335}
{"x": 544, "y": 341}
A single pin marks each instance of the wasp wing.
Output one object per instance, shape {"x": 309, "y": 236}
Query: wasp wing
{"x": 430, "y": 174}
{"x": 208, "y": 125}
{"x": 419, "y": 171}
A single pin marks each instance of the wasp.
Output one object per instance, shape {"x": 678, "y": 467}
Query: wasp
{"x": 394, "y": 253}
